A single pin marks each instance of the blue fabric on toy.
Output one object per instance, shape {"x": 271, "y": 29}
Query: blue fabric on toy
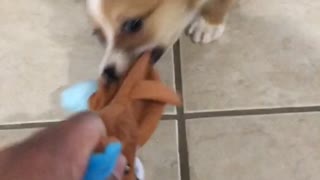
{"x": 75, "y": 98}
{"x": 102, "y": 165}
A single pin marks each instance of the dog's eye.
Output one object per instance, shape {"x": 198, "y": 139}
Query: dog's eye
{"x": 132, "y": 26}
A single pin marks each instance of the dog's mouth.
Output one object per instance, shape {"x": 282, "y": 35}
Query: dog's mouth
{"x": 111, "y": 75}
{"x": 156, "y": 54}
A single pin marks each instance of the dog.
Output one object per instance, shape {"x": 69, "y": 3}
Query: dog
{"x": 132, "y": 27}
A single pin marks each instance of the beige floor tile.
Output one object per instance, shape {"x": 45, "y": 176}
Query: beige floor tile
{"x": 45, "y": 46}
{"x": 268, "y": 57}
{"x": 159, "y": 155}
{"x": 266, "y": 147}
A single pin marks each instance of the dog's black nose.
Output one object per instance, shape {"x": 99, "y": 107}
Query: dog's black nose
{"x": 110, "y": 74}
{"x": 156, "y": 54}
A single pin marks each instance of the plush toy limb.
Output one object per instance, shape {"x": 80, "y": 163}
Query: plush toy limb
{"x": 129, "y": 152}
{"x": 149, "y": 90}
{"x": 103, "y": 95}
{"x": 150, "y": 122}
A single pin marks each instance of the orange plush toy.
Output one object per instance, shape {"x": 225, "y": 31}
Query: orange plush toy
{"x": 131, "y": 109}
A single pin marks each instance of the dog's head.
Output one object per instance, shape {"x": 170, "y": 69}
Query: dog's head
{"x": 131, "y": 27}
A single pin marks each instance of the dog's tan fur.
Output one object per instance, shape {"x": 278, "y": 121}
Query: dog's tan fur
{"x": 164, "y": 21}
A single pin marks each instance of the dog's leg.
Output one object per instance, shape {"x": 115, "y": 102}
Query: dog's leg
{"x": 210, "y": 23}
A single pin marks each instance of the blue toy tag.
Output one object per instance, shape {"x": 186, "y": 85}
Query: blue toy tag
{"x": 101, "y": 165}
{"x": 75, "y": 98}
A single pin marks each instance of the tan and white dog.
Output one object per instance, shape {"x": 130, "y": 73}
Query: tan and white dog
{"x": 131, "y": 27}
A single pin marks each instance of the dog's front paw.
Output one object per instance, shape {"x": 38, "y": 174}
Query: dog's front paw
{"x": 201, "y": 31}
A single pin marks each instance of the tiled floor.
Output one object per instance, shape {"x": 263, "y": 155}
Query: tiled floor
{"x": 251, "y": 100}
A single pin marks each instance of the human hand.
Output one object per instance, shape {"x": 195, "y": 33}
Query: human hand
{"x": 60, "y": 152}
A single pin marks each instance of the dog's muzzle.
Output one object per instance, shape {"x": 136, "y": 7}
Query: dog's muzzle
{"x": 110, "y": 72}
{"x": 156, "y": 54}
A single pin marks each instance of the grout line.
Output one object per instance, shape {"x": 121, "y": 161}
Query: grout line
{"x": 169, "y": 117}
{"x": 28, "y": 125}
{"x": 252, "y": 112}
{"x": 182, "y": 134}
{"x": 192, "y": 115}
